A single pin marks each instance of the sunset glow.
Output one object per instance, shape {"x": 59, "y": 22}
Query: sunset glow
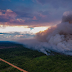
{"x": 38, "y": 29}
{"x": 25, "y": 18}
{"x": 21, "y": 29}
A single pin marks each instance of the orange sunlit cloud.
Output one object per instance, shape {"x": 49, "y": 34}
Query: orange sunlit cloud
{"x": 38, "y": 29}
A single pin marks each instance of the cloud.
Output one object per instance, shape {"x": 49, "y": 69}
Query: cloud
{"x": 39, "y": 12}
{"x": 6, "y": 14}
{"x": 34, "y": 18}
{"x": 18, "y": 21}
{"x": 24, "y": 12}
{"x": 24, "y": 15}
{"x": 56, "y": 3}
{"x": 15, "y": 36}
{"x": 43, "y": 16}
{"x": 10, "y": 17}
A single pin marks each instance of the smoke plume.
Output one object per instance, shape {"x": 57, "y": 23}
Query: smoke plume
{"x": 57, "y": 38}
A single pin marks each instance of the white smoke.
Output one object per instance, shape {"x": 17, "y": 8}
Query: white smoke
{"x": 57, "y": 38}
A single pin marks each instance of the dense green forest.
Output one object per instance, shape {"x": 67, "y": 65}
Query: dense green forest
{"x": 7, "y": 68}
{"x": 34, "y": 61}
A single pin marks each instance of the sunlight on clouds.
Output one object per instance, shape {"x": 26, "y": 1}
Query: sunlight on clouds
{"x": 21, "y": 29}
{"x": 16, "y": 36}
{"x": 8, "y": 29}
{"x": 38, "y": 29}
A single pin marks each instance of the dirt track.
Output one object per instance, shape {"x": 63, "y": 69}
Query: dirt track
{"x": 13, "y": 65}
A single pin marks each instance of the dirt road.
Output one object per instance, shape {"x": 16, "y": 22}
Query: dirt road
{"x": 13, "y": 65}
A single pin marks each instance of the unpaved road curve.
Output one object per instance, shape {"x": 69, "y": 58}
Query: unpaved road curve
{"x": 13, "y": 65}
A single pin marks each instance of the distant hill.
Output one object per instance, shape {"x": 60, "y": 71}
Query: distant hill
{"x": 8, "y": 44}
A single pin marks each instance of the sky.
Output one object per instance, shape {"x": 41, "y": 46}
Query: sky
{"x": 21, "y": 19}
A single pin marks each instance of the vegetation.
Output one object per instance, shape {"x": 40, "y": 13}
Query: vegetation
{"x": 34, "y": 61}
{"x": 7, "y": 68}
